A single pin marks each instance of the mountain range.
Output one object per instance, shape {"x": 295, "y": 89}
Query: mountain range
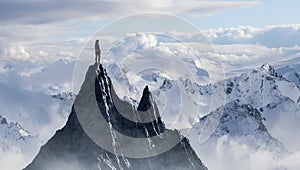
{"x": 259, "y": 110}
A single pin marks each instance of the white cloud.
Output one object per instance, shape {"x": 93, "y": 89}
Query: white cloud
{"x": 43, "y": 54}
{"x": 244, "y": 47}
{"x": 49, "y": 26}
{"x": 33, "y": 43}
{"x": 16, "y": 53}
{"x": 270, "y": 36}
{"x": 80, "y": 40}
{"x": 13, "y": 159}
{"x": 229, "y": 153}
{"x": 239, "y": 48}
{"x": 66, "y": 54}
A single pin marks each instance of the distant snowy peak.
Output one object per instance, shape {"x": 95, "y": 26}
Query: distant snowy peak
{"x": 64, "y": 60}
{"x": 268, "y": 69}
{"x": 64, "y": 96}
{"x": 3, "y": 120}
{"x": 241, "y": 122}
{"x": 13, "y": 127}
{"x": 16, "y": 143}
{"x": 14, "y": 138}
{"x": 235, "y": 114}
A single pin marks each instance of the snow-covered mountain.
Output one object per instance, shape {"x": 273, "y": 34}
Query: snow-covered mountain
{"x": 260, "y": 117}
{"x": 274, "y": 96}
{"x": 242, "y": 122}
{"x": 240, "y": 126}
{"x": 16, "y": 145}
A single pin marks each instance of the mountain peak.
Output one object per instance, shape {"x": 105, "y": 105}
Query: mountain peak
{"x": 267, "y": 68}
{"x": 14, "y": 127}
{"x": 58, "y": 150}
{"x": 3, "y": 120}
{"x": 250, "y": 122}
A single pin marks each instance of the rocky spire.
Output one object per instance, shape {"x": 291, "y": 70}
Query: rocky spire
{"x": 72, "y": 147}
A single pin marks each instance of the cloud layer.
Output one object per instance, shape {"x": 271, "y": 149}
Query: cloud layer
{"x": 270, "y": 36}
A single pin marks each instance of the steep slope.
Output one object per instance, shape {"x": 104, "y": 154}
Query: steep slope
{"x": 72, "y": 148}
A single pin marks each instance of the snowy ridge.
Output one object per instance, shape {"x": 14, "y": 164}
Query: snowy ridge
{"x": 275, "y": 97}
{"x": 258, "y": 87}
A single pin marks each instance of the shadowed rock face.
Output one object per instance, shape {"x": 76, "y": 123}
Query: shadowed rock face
{"x": 71, "y": 148}
{"x": 145, "y": 103}
{"x": 148, "y": 121}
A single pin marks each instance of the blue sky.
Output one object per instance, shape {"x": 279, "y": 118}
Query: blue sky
{"x": 268, "y": 12}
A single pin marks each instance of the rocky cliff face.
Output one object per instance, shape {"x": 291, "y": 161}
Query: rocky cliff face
{"x": 72, "y": 148}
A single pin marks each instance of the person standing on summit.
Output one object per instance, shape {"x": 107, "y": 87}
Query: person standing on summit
{"x": 97, "y": 52}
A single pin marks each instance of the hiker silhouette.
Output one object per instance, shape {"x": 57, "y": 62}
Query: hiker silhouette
{"x": 97, "y": 52}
